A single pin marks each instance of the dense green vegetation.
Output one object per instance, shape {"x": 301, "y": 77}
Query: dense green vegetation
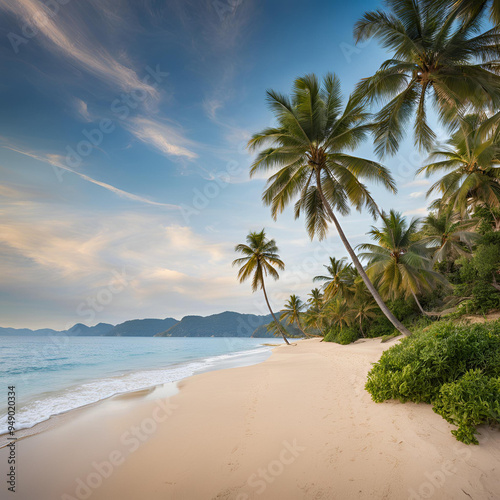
{"x": 444, "y": 365}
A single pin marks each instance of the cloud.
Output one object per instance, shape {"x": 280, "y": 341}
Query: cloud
{"x": 82, "y": 109}
{"x": 57, "y": 161}
{"x": 417, "y": 182}
{"x": 416, "y": 211}
{"x": 66, "y": 35}
{"x": 417, "y": 194}
{"x": 164, "y": 138}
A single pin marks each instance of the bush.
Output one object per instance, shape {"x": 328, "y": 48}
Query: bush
{"x": 419, "y": 366}
{"x": 347, "y": 336}
{"x": 471, "y": 400}
{"x": 344, "y": 336}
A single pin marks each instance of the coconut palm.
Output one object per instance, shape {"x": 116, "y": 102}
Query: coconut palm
{"x": 399, "y": 264}
{"x": 339, "y": 279}
{"x": 291, "y": 312}
{"x": 470, "y": 162}
{"x": 337, "y": 312}
{"x": 363, "y": 311}
{"x": 260, "y": 259}
{"x": 434, "y": 57}
{"x": 448, "y": 235}
{"x": 313, "y": 315}
{"x": 308, "y": 152}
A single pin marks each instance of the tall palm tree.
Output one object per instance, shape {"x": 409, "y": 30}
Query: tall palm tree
{"x": 339, "y": 279}
{"x": 470, "y": 162}
{"x": 260, "y": 259}
{"x": 291, "y": 313}
{"x": 448, "y": 235}
{"x": 434, "y": 56}
{"x": 400, "y": 264}
{"x": 308, "y": 152}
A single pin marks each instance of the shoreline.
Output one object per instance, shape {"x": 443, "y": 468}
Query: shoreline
{"x": 165, "y": 389}
{"x": 299, "y": 425}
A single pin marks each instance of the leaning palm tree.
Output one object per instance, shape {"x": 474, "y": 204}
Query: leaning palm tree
{"x": 448, "y": 235}
{"x": 291, "y": 313}
{"x": 308, "y": 152}
{"x": 399, "y": 264}
{"x": 434, "y": 57}
{"x": 260, "y": 259}
{"x": 339, "y": 279}
{"x": 470, "y": 162}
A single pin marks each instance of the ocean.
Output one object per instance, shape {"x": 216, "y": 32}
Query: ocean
{"x": 53, "y": 375}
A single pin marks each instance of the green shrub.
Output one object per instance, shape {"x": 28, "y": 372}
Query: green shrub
{"x": 470, "y": 401}
{"x": 379, "y": 327}
{"x": 347, "y": 336}
{"x": 344, "y": 336}
{"x": 419, "y": 366}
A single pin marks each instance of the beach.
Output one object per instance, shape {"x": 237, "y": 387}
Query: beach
{"x": 297, "y": 426}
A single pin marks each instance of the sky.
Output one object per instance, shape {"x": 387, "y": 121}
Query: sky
{"x": 124, "y": 181}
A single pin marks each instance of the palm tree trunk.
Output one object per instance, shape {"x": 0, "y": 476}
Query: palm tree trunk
{"x": 378, "y": 299}
{"x": 280, "y": 329}
{"x": 418, "y": 304}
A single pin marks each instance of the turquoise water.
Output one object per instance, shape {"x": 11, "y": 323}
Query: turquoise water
{"x": 56, "y": 374}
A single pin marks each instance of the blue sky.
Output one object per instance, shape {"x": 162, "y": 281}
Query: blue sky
{"x": 123, "y": 171}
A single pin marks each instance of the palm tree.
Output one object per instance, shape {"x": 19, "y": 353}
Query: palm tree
{"x": 339, "y": 279}
{"x": 470, "y": 161}
{"x": 291, "y": 312}
{"x": 363, "y": 311}
{"x": 446, "y": 233}
{"x": 307, "y": 149}
{"x": 313, "y": 315}
{"x": 337, "y": 311}
{"x": 434, "y": 56}
{"x": 260, "y": 259}
{"x": 399, "y": 264}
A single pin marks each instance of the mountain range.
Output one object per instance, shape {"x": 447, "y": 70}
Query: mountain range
{"x": 226, "y": 324}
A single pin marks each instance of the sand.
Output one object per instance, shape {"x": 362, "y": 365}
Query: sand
{"x": 297, "y": 426}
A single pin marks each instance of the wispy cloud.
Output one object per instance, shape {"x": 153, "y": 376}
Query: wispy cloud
{"x": 58, "y": 162}
{"x": 82, "y": 109}
{"x": 164, "y": 138}
{"x": 417, "y": 194}
{"x": 417, "y": 182}
{"x": 69, "y": 40}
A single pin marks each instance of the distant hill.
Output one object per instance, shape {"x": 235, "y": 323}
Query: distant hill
{"x": 141, "y": 327}
{"x": 23, "y": 332}
{"x": 81, "y": 330}
{"x": 226, "y": 324}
